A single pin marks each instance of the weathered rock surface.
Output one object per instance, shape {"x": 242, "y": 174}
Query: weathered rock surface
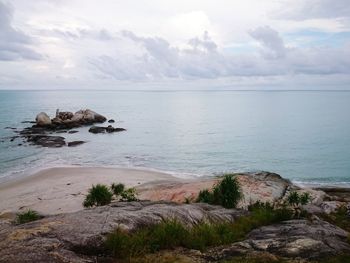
{"x": 261, "y": 186}
{"x": 63, "y": 237}
{"x": 42, "y": 119}
{"x": 291, "y": 239}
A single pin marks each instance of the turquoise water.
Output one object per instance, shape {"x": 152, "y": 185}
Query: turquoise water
{"x": 303, "y": 135}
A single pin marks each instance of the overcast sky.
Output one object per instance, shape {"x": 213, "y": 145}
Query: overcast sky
{"x": 112, "y": 44}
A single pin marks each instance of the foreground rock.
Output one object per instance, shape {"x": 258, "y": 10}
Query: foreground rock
{"x": 290, "y": 239}
{"x": 79, "y": 236}
{"x": 261, "y": 186}
{"x": 74, "y": 237}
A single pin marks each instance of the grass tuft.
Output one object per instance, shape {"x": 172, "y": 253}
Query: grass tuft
{"x": 98, "y": 195}
{"x": 170, "y": 234}
{"x": 226, "y": 193}
{"x": 28, "y": 216}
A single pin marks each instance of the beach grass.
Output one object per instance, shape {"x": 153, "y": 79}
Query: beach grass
{"x": 171, "y": 234}
{"x": 27, "y": 216}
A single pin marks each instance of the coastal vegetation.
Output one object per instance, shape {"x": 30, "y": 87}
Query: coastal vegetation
{"x": 171, "y": 234}
{"x": 100, "y": 194}
{"x": 27, "y": 216}
{"x": 295, "y": 199}
{"x": 226, "y": 193}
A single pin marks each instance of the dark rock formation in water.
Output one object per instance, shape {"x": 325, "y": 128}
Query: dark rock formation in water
{"x": 75, "y": 143}
{"x": 63, "y": 122}
{"x": 109, "y": 129}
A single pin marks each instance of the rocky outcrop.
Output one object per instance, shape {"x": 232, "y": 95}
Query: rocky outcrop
{"x": 79, "y": 236}
{"x": 261, "y": 186}
{"x": 69, "y": 237}
{"x": 63, "y": 122}
{"x": 42, "y": 119}
{"x": 291, "y": 239}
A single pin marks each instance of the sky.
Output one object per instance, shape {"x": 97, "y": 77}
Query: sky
{"x": 180, "y": 44}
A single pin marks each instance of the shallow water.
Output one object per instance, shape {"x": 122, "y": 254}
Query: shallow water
{"x": 303, "y": 135}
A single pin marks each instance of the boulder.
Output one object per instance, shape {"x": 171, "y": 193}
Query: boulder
{"x": 88, "y": 116}
{"x": 42, "y": 119}
{"x": 260, "y": 186}
{"x": 65, "y": 237}
{"x": 111, "y": 121}
{"x": 304, "y": 239}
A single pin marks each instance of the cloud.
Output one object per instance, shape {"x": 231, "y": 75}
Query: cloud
{"x": 314, "y": 9}
{"x": 201, "y": 59}
{"x": 271, "y": 42}
{"x": 14, "y": 44}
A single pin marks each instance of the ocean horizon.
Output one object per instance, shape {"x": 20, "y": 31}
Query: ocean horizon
{"x": 302, "y": 135}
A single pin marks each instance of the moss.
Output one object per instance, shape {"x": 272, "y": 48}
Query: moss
{"x": 28, "y": 216}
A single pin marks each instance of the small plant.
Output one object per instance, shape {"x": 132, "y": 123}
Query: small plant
{"x": 205, "y": 196}
{"x": 117, "y": 189}
{"x": 128, "y": 195}
{"x": 305, "y": 198}
{"x": 295, "y": 199}
{"x": 226, "y": 193}
{"x": 98, "y": 195}
{"x": 28, "y": 216}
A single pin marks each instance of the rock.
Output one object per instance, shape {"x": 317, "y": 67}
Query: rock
{"x": 97, "y": 129}
{"x": 73, "y": 131}
{"x": 65, "y": 237}
{"x": 331, "y": 206}
{"x": 47, "y": 141}
{"x": 109, "y": 129}
{"x": 261, "y": 186}
{"x": 75, "y": 143}
{"x": 88, "y": 117}
{"x": 291, "y": 239}
{"x": 42, "y": 119}
{"x": 111, "y": 121}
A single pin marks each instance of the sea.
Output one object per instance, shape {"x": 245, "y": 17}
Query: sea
{"x": 302, "y": 135}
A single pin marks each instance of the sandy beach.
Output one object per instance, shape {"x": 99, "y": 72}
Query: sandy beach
{"x": 60, "y": 190}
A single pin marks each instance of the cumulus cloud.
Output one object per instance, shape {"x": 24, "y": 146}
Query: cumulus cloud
{"x": 201, "y": 59}
{"x": 271, "y": 42}
{"x": 14, "y": 44}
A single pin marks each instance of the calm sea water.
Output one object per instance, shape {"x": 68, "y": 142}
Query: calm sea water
{"x": 303, "y": 135}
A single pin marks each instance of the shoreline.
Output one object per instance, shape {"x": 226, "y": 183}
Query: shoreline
{"x": 63, "y": 189}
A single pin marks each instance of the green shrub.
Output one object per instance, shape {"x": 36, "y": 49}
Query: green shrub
{"x": 117, "y": 189}
{"x": 128, "y": 195}
{"x": 340, "y": 218}
{"x": 293, "y": 198}
{"x": 98, "y": 195}
{"x": 205, "y": 196}
{"x": 305, "y": 198}
{"x": 226, "y": 193}
{"x": 28, "y": 216}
